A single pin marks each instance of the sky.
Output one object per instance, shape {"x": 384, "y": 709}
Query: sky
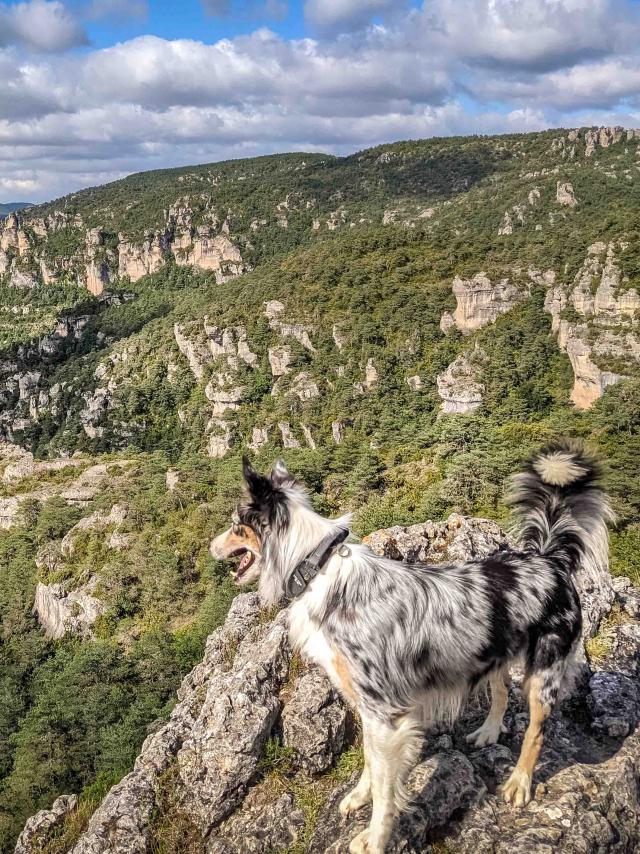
{"x": 92, "y": 90}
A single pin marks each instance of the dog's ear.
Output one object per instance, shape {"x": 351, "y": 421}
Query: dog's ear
{"x": 280, "y": 475}
{"x": 258, "y": 486}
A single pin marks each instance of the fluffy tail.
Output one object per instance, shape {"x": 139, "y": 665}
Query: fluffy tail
{"x": 561, "y": 509}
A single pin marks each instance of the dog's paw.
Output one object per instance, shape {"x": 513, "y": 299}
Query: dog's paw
{"x": 488, "y": 733}
{"x": 517, "y": 789}
{"x": 354, "y": 800}
{"x": 364, "y": 843}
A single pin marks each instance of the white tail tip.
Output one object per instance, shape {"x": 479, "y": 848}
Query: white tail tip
{"x": 558, "y": 468}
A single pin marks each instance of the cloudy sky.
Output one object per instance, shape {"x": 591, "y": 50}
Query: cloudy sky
{"x": 91, "y": 90}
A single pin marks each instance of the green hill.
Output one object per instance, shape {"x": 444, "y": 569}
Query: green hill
{"x": 10, "y": 207}
{"x": 404, "y": 325}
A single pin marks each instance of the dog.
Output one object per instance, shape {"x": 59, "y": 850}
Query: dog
{"x": 406, "y": 643}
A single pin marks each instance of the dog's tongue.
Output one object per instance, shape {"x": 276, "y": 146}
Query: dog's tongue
{"x": 247, "y": 557}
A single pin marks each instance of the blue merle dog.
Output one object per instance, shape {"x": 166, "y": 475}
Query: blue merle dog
{"x": 406, "y": 643}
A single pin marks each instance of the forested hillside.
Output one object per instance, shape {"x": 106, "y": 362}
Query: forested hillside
{"x": 403, "y": 325}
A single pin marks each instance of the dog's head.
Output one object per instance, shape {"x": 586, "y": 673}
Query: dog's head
{"x": 263, "y": 514}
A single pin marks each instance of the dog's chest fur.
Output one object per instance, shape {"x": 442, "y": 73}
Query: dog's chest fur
{"x": 306, "y": 634}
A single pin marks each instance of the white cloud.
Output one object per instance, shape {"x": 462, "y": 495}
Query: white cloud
{"x": 40, "y": 25}
{"x": 469, "y": 66}
{"x": 536, "y": 35}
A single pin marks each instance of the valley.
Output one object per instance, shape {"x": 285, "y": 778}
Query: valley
{"x": 403, "y": 326}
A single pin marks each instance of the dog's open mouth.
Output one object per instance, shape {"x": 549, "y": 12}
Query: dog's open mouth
{"x": 246, "y": 560}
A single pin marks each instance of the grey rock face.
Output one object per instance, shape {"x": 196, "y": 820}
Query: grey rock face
{"x": 439, "y": 786}
{"x": 44, "y": 822}
{"x": 261, "y": 827}
{"x": 62, "y": 612}
{"x": 313, "y": 723}
{"x": 460, "y": 387}
{"x": 121, "y": 825}
{"x": 480, "y": 302}
{"x": 221, "y": 754}
{"x": 628, "y": 596}
{"x": 613, "y": 702}
{"x": 456, "y": 539}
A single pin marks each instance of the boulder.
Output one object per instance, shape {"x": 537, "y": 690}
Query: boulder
{"x": 313, "y": 723}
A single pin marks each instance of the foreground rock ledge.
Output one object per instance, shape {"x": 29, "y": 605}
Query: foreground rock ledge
{"x": 259, "y": 749}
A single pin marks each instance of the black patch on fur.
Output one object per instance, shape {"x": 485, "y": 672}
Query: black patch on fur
{"x": 501, "y": 580}
{"x": 267, "y": 505}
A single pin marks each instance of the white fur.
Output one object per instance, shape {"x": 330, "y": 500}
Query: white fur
{"x": 558, "y": 468}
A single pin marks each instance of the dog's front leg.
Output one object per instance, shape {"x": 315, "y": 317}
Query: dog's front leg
{"x": 390, "y": 751}
{"x": 361, "y": 795}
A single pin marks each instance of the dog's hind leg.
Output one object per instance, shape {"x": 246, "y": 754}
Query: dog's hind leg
{"x": 517, "y": 789}
{"x": 546, "y": 666}
{"x": 489, "y": 732}
{"x": 392, "y": 751}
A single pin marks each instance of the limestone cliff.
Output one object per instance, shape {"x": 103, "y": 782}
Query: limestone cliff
{"x": 459, "y": 386}
{"x": 596, "y": 319}
{"x": 595, "y": 316}
{"x": 480, "y": 301}
{"x": 94, "y": 256}
{"x": 259, "y": 749}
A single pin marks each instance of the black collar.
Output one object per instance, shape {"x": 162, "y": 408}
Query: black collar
{"x": 307, "y": 569}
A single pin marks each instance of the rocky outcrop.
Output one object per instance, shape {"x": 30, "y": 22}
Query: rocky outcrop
{"x": 193, "y": 348}
{"x": 607, "y": 326}
{"x": 259, "y": 438}
{"x": 220, "y": 439}
{"x": 480, "y": 302}
{"x": 43, "y": 823}
{"x": 136, "y": 260}
{"x": 27, "y": 394}
{"x": 314, "y": 723}
{"x": 230, "y": 342}
{"x": 95, "y": 262}
{"x": 223, "y": 396}
{"x": 60, "y": 611}
{"x": 288, "y": 439}
{"x": 565, "y": 195}
{"x": 602, "y": 138}
{"x": 256, "y": 735}
{"x": 279, "y": 360}
{"x": 459, "y": 386}
{"x": 97, "y": 273}
{"x": 273, "y": 310}
{"x": 206, "y": 250}
{"x": 304, "y": 387}
{"x": 371, "y": 377}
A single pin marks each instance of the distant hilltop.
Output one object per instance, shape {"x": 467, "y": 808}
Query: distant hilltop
{"x": 9, "y": 207}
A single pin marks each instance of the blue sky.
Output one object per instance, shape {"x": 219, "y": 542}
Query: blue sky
{"x": 95, "y": 89}
{"x": 190, "y": 19}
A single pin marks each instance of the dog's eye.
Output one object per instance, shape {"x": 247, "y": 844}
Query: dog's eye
{"x": 236, "y": 529}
